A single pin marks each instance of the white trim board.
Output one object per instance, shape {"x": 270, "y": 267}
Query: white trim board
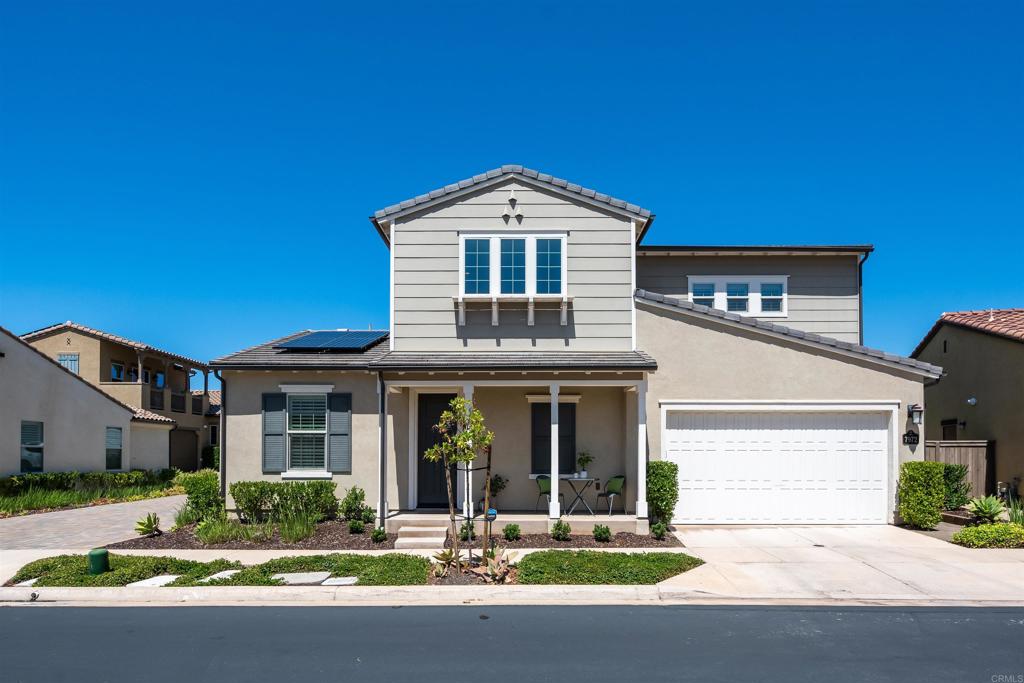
{"x": 306, "y": 388}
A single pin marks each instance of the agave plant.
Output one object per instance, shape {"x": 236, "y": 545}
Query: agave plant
{"x": 148, "y": 525}
{"x": 444, "y": 561}
{"x": 496, "y": 568}
{"x": 986, "y": 510}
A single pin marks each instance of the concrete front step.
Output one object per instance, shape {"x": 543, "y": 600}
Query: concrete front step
{"x": 421, "y": 543}
{"x": 421, "y": 531}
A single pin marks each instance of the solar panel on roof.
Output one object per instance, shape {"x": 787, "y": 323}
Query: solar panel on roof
{"x": 335, "y": 340}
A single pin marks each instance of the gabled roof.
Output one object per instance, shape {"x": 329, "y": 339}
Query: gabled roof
{"x": 266, "y": 355}
{"x": 107, "y": 336}
{"x": 138, "y": 414}
{"x": 528, "y": 176}
{"x": 1000, "y": 322}
{"x": 769, "y": 328}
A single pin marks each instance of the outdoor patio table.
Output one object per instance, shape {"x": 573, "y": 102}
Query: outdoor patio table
{"x": 587, "y": 483}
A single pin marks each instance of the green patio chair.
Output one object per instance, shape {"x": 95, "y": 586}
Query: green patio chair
{"x": 544, "y": 491}
{"x": 613, "y": 488}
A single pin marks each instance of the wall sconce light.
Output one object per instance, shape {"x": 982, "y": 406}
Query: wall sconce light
{"x": 972, "y": 401}
{"x": 915, "y": 412}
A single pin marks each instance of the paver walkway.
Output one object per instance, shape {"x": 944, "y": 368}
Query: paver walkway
{"x": 856, "y": 562}
{"x": 84, "y": 527}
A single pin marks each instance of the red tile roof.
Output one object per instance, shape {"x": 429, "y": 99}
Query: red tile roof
{"x": 1002, "y": 322}
{"x": 117, "y": 339}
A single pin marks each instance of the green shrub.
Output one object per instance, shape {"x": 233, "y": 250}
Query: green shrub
{"x": 602, "y": 534}
{"x": 999, "y": 535}
{"x": 185, "y": 516}
{"x": 986, "y": 510}
{"x": 467, "y": 532}
{"x": 356, "y": 526}
{"x": 368, "y": 515}
{"x": 296, "y": 527}
{"x": 308, "y": 498}
{"x": 560, "y": 530}
{"x": 662, "y": 489}
{"x": 379, "y": 535}
{"x": 212, "y": 530}
{"x": 658, "y": 530}
{"x": 88, "y": 481}
{"x": 210, "y": 458}
{"x": 596, "y": 567}
{"x": 921, "y": 493}
{"x": 511, "y": 532}
{"x": 956, "y": 490}
{"x": 253, "y": 499}
{"x": 351, "y": 506}
{"x": 202, "y": 489}
{"x": 1016, "y": 511}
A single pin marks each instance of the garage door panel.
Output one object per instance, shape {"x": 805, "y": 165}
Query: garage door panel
{"x": 778, "y": 467}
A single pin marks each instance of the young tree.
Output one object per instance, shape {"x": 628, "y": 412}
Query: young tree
{"x": 463, "y": 435}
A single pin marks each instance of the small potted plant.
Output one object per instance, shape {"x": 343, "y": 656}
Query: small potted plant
{"x": 582, "y": 460}
{"x": 498, "y": 484}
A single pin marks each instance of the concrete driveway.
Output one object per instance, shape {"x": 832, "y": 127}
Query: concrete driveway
{"x": 844, "y": 562}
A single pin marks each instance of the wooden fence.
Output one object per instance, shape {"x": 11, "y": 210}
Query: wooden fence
{"x": 977, "y": 455}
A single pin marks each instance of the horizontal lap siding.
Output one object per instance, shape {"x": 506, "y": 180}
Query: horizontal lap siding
{"x": 426, "y": 277}
{"x": 823, "y": 292}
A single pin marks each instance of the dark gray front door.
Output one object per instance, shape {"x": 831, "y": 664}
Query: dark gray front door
{"x": 432, "y": 490}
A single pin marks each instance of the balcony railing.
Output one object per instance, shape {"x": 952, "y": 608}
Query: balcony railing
{"x": 197, "y": 405}
{"x": 177, "y": 402}
{"x": 156, "y": 399}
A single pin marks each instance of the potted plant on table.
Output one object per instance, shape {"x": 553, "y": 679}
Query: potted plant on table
{"x": 582, "y": 460}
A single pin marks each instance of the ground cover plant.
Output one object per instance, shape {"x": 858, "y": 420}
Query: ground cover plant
{"x": 596, "y": 568}
{"x": 998, "y": 535}
{"x": 73, "y": 570}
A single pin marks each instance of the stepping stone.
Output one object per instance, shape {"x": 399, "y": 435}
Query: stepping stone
{"x": 341, "y": 581}
{"x": 226, "y": 574}
{"x": 302, "y": 578}
{"x": 26, "y": 584}
{"x": 156, "y": 581}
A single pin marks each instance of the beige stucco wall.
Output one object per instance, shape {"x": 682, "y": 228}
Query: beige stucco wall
{"x": 149, "y": 446}
{"x": 87, "y": 348}
{"x": 245, "y": 425}
{"x": 990, "y": 369}
{"x": 74, "y": 415}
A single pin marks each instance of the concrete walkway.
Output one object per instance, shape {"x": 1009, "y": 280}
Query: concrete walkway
{"x": 84, "y": 528}
{"x": 841, "y": 563}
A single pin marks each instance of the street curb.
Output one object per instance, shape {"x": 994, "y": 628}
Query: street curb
{"x": 353, "y": 596}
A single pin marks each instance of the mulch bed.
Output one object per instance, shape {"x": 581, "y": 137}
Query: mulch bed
{"x": 619, "y": 540}
{"x": 332, "y": 535}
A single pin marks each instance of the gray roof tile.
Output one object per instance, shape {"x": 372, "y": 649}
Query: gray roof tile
{"x": 828, "y": 342}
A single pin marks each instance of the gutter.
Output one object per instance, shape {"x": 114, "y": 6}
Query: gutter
{"x": 223, "y": 432}
{"x": 860, "y": 297}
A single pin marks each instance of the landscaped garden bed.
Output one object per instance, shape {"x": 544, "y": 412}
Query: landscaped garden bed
{"x": 619, "y": 540}
{"x": 328, "y": 535}
{"x": 25, "y": 494}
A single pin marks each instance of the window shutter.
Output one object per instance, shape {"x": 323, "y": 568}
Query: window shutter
{"x": 339, "y": 433}
{"x": 273, "y": 433}
{"x": 31, "y": 433}
{"x": 114, "y": 437}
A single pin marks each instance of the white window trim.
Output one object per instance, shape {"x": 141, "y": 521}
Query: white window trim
{"x": 495, "y": 265}
{"x": 299, "y": 473}
{"x": 753, "y": 296}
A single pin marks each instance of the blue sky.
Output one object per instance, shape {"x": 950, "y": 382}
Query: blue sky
{"x": 199, "y": 175}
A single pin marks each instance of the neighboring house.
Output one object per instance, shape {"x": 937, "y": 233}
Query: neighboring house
{"x": 52, "y": 420}
{"x": 211, "y": 437}
{"x": 981, "y": 395}
{"x": 529, "y": 295}
{"x": 137, "y": 374}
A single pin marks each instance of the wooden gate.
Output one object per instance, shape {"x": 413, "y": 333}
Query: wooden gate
{"x": 977, "y": 455}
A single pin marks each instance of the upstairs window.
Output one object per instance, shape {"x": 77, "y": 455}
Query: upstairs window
{"x": 69, "y": 361}
{"x": 515, "y": 265}
{"x": 117, "y": 372}
{"x": 762, "y": 296}
{"x": 478, "y": 266}
{"x": 549, "y": 266}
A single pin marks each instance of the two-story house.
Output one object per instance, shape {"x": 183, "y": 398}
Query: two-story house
{"x": 535, "y": 298}
{"x": 139, "y": 375}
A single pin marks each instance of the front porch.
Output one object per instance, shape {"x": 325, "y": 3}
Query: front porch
{"x": 540, "y": 425}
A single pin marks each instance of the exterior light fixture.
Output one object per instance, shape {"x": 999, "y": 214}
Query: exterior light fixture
{"x": 915, "y": 412}
{"x": 972, "y": 401}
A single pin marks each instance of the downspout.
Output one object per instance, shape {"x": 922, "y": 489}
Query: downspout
{"x": 223, "y": 433}
{"x": 860, "y": 298}
{"x": 382, "y": 469}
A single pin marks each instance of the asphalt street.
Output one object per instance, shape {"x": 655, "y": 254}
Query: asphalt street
{"x": 521, "y": 643}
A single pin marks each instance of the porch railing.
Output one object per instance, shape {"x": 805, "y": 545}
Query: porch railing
{"x": 156, "y": 399}
{"x": 177, "y": 402}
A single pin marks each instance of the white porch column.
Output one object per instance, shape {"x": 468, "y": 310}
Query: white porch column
{"x": 467, "y": 498}
{"x": 641, "y": 449}
{"x": 554, "y": 510}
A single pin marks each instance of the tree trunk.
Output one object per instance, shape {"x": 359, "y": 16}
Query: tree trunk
{"x": 451, "y": 513}
{"x": 487, "y": 506}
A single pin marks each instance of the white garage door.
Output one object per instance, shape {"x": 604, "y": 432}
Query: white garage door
{"x": 779, "y": 467}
